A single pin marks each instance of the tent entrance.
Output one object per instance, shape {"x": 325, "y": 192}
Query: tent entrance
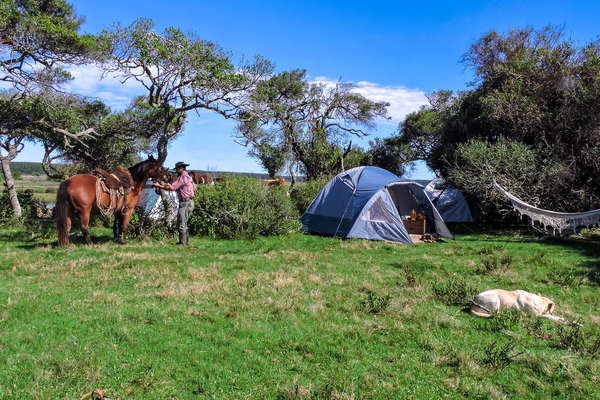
{"x": 408, "y": 196}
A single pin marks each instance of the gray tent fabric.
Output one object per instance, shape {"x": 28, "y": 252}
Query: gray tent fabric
{"x": 449, "y": 201}
{"x": 370, "y": 203}
{"x": 151, "y": 203}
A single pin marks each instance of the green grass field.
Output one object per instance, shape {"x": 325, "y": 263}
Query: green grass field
{"x": 298, "y": 317}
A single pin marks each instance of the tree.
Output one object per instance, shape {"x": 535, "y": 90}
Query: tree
{"x": 36, "y": 39}
{"x": 272, "y": 158}
{"x": 181, "y": 73}
{"x": 389, "y": 153}
{"x": 85, "y": 134}
{"x": 312, "y": 121}
{"x": 15, "y": 122}
{"x": 534, "y": 88}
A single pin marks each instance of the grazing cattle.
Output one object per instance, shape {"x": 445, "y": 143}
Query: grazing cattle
{"x": 202, "y": 179}
{"x": 279, "y": 182}
{"x": 274, "y": 182}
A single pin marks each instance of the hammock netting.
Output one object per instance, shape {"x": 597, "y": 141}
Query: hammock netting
{"x": 551, "y": 221}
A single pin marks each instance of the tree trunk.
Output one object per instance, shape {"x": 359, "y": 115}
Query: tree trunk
{"x": 10, "y": 186}
{"x": 293, "y": 177}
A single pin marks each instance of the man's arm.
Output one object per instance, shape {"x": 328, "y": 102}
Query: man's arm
{"x": 166, "y": 187}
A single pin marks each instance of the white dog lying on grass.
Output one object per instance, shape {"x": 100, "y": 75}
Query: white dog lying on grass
{"x": 490, "y": 301}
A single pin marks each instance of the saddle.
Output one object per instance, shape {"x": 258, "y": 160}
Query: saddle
{"x": 117, "y": 184}
{"x": 119, "y": 179}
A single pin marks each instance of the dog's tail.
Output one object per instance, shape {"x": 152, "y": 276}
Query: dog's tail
{"x": 480, "y": 311}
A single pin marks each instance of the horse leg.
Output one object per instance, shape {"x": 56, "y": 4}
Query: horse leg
{"x": 85, "y": 226}
{"x": 124, "y": 228}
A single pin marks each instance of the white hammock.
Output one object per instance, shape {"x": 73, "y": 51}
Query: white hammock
{"x": 556, "y": 220}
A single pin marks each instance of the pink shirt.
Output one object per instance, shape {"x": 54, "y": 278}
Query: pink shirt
{"x": 184, "y": 186}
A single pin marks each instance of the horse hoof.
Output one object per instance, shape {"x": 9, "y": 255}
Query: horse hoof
{"x": 121, "y": 241}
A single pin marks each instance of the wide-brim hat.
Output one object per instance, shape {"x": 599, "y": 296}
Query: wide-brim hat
{"x": 181, "y": 164}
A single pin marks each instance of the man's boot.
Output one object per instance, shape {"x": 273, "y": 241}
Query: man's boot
{"x": 182, "y": 238}
{"x": 186, "y": 238}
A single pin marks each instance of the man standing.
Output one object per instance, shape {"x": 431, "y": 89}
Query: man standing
{"x": 184, "y": 185}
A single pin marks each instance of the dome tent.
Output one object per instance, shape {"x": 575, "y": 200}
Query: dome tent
{"x": 449, "y": 201}
{"x": 370, "y": 203}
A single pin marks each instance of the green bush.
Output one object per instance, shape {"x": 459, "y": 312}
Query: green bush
{"x": 302, "y": 194}
{"x": 374, "y": 303}
{"x": 453, "y": 291}
{"x": 142, "y": 226}
{"x": 6, "y": 209}
{"x": 242, "y": 207}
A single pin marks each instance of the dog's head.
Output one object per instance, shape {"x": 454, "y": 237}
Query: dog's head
{"x": 547, "y": 305}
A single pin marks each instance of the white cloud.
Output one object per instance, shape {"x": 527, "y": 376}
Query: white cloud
{"x": 402, "y": 100}
{"x": 88, "y": 81}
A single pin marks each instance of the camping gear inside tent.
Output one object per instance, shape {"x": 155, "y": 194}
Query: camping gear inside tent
{"x": 152, "y": 204}
{"x": 449, "y": 201}
{"x": 372, "y": 203}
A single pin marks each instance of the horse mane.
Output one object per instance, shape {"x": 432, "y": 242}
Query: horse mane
{"x": 139, "y": 171}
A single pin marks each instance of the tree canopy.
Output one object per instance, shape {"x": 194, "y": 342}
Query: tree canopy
{"x": 310, "y": 122}
{"x": 181, "y": 73}
{"x": 535, "y": 88}
{"x": 37, "y": 38}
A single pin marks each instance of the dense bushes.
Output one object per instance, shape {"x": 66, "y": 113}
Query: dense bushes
{"x": 6, "y": 210}
{"x": 303, "y": 194}
{"x": 242, "y": 207}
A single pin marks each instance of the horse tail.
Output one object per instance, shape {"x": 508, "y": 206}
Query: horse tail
{"x": 63, "y": 213}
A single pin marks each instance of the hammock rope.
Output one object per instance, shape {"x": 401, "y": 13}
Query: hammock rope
{"x": 558, "y": 221}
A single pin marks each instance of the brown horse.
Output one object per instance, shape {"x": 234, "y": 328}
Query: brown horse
{"x": 78, "y": 193}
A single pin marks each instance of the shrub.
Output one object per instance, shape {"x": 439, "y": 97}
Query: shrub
{"x": 6, "y": 209}
{"x": 499, "y": 355}
{"x": 566, "y": 277}
{"x": 375, "y": 303}
{"x": 242, "y": 207}
{"x": 454, "y": 291}
{"x": 572, "y": 338}
{"x": 302, "y": 194}
{"x": 507, "y": 319}
{"x": 141, "y": 226}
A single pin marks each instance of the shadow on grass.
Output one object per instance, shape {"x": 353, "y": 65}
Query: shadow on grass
{"x": 588, "y": 245}
{"x": 42, "y": 233}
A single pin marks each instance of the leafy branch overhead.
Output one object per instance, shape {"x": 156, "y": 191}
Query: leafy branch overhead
{"x": 37, "y": 39}
{"x": 180, "y": 73}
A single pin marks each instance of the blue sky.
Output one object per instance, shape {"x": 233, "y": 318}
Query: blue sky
{"x": 394, "y": 51}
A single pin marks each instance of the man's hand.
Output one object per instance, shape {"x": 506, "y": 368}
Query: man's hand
{"x": 157, "y": 185}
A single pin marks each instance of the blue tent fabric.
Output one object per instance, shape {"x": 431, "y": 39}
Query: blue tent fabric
{"x": 449, "y": 201}
{"x": 357, "y": 203}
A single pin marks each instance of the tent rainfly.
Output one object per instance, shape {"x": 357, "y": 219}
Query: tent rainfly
{"x": 370, "y": 203}
{"x": 449, "y": 201}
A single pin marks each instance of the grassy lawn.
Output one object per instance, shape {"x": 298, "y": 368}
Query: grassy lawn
{"x": 296, "y": 317}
